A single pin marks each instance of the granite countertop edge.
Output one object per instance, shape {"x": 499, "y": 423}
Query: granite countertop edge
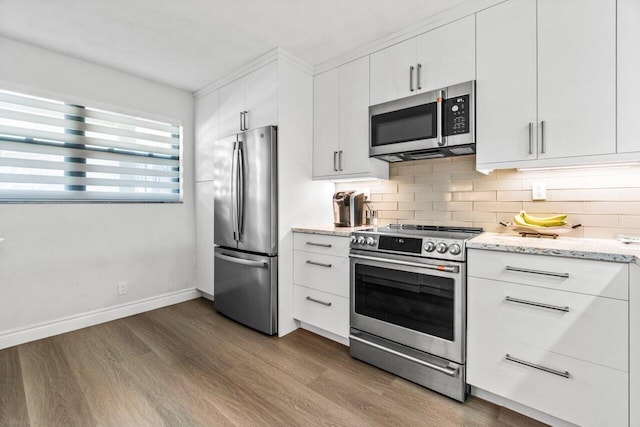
{"x": 328, "y": 230}
{"x": 593, "y": 249}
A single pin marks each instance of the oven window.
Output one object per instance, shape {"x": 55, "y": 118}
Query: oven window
{"x": 415, "y": 301}
{"x": 409, "y": 124}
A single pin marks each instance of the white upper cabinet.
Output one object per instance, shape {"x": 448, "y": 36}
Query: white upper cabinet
{"x": 341, "y": 124}
{"x": 546, "y": 83}
{"x": 446, "y": 55}
{"x": 628, "y": 75}
{"x": 436, "y": 59}
{"x": 250, "y": 101}
{"x": 393, "y": 72}
{"x": 207, "y": 132}
{"x": 576, "y": 77}
{"x": 506, "y": 83}
{"x": 326, "y": 123}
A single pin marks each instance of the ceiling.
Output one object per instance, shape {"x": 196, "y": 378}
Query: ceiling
{"x": 191, "y": 43}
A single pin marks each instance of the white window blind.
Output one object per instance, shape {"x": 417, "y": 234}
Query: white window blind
{"x": 55, "y": 151}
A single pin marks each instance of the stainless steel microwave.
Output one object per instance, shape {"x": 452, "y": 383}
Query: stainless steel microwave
{"x": 440, "y": 123}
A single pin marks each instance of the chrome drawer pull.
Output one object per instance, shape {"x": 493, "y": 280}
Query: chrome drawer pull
{"x": 538, "y": 304}
{"x": 564, "y": 374}
{"x": 328, "y": 304}
{"x": 447, "y": 268}
{"x": 318, "y": 263}
{"x": 323, "y": 245}
{"x": 452, "y": 372}
{"x": 542, "y": 273}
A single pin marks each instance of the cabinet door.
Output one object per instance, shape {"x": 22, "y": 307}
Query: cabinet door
{"x": 390, "y": 71}
{"x": 261, "y": 97}
{"x": 204, "y": 236}
{"x": 576, "y": 77}
{"x": 207, "y": 132}
{"x": 506, "y": 82}
{"x": 446, "y": 55}
{"x": 326, "y": 123}
{"x": 354, "y": 116}
{"x": 231, "y": 104}
{"x": 628, "y": 72}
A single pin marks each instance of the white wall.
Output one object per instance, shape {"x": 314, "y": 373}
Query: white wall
{"x": 60, "y": 262}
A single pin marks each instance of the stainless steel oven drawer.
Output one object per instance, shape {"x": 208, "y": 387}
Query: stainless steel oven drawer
{"x": 438, "y": 374}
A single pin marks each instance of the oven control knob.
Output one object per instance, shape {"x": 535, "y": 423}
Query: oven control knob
{"x": 361, "y": 240}
{"x": 353, "y": 239}
{"x": 441, "y": 247}
{"x": 429, "y": 246}
{"x": 455, "y": 249}
{"x": 371, "y": 241}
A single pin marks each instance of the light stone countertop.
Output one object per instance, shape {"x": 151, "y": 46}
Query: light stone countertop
{"x": 329, "y": 230}
{"x": 571, "y": 247}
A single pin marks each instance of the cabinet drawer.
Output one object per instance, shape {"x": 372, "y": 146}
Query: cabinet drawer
{"x": 602, "y": 278}
{"x": 593, "y": 395}
{"x": 320, "y": 309}
{"x": 325, "y": 273}
{"x": 321, "y": 244}
{"x": 594, "y": 329}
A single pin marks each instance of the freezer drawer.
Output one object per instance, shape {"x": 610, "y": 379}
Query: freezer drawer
{"x": 247, "y": 288}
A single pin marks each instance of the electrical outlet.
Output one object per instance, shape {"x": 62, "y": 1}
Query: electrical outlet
{"x": 123, "y": 288}
{"x": 539, "y": 191}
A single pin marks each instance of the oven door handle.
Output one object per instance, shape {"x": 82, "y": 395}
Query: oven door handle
{"x": 452, "y": 372}
{"x": 447, "y": 268}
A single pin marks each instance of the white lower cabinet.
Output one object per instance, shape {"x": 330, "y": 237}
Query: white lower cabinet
{"x": 321, "y": 282}
{"x": 551, "y": 333}
{"x": 592, "y": 395}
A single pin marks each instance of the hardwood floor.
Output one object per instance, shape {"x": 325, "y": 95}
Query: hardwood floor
{"x": 186, "y": 365}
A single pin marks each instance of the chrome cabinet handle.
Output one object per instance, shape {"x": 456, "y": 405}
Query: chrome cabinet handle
{"x": 530, "y": 138}
{"x": 247, "y": 262}
{"x": 328, "y": 304}
{"x": 447, "y": 268}
{"x": 540, "y": 272}
{"x": 543, "y": 138}
{"x": 439, "y": 118}
{"x": 245, "y": 121}
{"x": 318, "y": 263}
{"x": 335, "y": 162}
{"x": 241, "y": 120}
{"x": 418, "y": 72}
{"x": 452, "y": 372}
{"x": 340, "y": 160}
{"x": 324, "y": 245}
{"x": 537, "y": 304}
{"x": 564, "y": 374}
{"x": 411, "y": 68}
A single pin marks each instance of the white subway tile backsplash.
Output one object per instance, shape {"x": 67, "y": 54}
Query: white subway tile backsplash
{"x": 450, "y": 192}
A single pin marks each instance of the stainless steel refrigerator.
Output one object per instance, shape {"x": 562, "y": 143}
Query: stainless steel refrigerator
{"x": 246, "y": 228}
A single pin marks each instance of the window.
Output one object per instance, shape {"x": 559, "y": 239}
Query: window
{"x": 56, "y": 151}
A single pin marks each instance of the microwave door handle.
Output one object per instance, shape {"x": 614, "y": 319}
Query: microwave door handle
{"x": 439, "y": 118}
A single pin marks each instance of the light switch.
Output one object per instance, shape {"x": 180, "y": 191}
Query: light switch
{"x": 539, "y": 191}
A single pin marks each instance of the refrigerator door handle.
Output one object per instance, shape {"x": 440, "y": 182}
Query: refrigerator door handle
{"x": 247, "y": 262}
{"x": 240, "y": 191}
{"x": 234, "y": 192}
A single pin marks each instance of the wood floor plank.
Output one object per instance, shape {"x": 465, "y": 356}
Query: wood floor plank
{"x": 95, "y": 360}
{"x": 53, "y": 396}
{"x": 13, "y": 404}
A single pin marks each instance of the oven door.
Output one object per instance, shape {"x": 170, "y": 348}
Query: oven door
{"x": 410, "y": 301}
{"x": 408, "y": 124}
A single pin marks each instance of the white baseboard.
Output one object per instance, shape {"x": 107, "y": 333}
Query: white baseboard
{"x": 518, "y": 407}
{"x": 326, "y": 334}
{"x": 71, "y": 323}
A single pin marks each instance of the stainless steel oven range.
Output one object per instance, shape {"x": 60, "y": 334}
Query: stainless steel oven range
{"x": 408, "y": 303}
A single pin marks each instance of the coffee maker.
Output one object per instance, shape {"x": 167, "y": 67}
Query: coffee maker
{"x": 348, "y": 208}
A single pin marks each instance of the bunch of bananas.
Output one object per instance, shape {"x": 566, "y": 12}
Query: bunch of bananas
{"x": 527, "y": 220}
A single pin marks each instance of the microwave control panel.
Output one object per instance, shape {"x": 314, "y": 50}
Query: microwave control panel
{"x": 456, "y": 115}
